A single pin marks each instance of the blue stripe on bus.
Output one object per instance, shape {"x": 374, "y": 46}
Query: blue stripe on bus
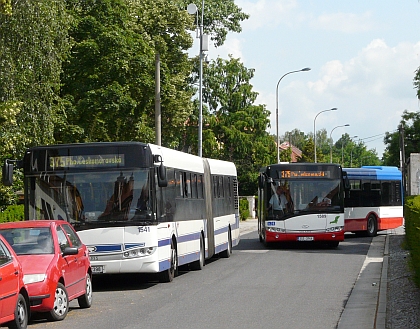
{"x": 133, "y": 245}
{"x": 221, "y": 247}
{"x": 182, "y": 260}
{"x": 221, "y": 230}
{"x": 108, "y": 248}
{"x": 182, "y": 238}
{"x": 189, "y": 237}
{"x": 374, "y": 172}
{"x": 166, "y": 242}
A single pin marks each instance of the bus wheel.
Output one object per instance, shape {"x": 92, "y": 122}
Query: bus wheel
{"x": 169, "y": 274}
{"x": 372, "y": 226}
{"x": 199, "y": 264}
{"x": 226, "y": 253}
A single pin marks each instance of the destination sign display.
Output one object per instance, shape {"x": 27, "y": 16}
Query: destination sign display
{"x": 305, "y": 173}
{"x": 86, "y": 161}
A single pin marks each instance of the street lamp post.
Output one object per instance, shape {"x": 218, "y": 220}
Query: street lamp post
{"x": 333, "y": 109}
{"x": 192, "y": 9}
{"x": 346, "y": 125}
{"x": 277, "y": 108}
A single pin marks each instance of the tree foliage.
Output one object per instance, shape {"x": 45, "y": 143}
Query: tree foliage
{"x": 6, "y": 7}
{"x": 410, "y": 128}
{"x": 109, "y": 79}
{"x": 220, "y": 17}
{"x": 234, "y": 127}
{"x": 33, "y": 43}
{"x": 417, "y": 82}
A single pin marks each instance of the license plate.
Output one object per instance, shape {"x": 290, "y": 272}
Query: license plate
{"x": 305, "y": 238}
{"x": 97, "y": 269}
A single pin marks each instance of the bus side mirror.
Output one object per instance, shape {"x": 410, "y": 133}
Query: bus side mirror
{"x": 162, "y": 180}
{"x": 161, "y": 171}
{"x": 7, "y": 172}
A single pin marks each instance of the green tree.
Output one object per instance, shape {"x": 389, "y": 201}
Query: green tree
{"x": 109, "y": 79}
{"x": 220, "y": 17}
{"x": 33, "y": 43}
{"x": 296, "y": 137}
{"x": 308, "y": 152}
{"x": 410, "y": 128}
{"x": 6, "y": 7}
{"x": 235, "y": 129}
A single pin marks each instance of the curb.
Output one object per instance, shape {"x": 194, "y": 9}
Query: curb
{"x": 366, "y": 305}
{"x": 380, "y": 320}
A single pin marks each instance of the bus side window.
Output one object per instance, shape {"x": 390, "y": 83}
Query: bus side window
{"x": 200, "y": 186}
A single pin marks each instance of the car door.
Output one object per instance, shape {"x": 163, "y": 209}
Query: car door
{"x": 82, "y": 258}
{"x": 9, "y": 281}
{"x": 69, "y": 265}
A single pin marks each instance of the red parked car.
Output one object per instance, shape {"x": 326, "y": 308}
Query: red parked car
{"x": 55, "y": 264}
{"x": 14, "y": 300}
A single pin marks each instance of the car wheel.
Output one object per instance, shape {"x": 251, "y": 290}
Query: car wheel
{"x": 199, "y": 264}
{"x": 21, "y": 314}
{"x": 85, "y": 301}
{"x": 61, "y": 304}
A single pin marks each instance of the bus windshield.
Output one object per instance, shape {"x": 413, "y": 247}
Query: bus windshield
{"x": 89, "y": 197}
{"x": 296, "y": 196}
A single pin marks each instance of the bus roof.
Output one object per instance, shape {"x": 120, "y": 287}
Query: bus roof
{"x": 374, "y": 172}
{"x": 177, "y": 159}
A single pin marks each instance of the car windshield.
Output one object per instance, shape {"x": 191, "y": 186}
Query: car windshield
{"x": 30, "y": 241}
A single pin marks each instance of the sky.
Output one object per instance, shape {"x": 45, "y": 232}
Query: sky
{"x": 363, "y": 55}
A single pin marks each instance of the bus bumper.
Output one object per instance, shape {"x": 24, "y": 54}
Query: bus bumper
{"x": 304, "y": 237}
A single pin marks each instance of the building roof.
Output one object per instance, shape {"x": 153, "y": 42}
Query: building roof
{"x": 296, "y": 153}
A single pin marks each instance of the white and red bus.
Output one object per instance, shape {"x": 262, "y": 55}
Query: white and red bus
{"x": 313, "y": 203}
{"x": 374, "y": 201}
{"x": 140, "y": 208}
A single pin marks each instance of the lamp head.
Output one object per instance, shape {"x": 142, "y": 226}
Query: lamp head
{"x": 192, "y": 9}
{"x": 306, "y": 69}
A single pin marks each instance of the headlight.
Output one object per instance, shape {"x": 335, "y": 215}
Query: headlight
{"x": 275, "y": 229}
{"x": 335, "y": 229}
{"x": 32, "y": 278}
{"x": 139, "y": 252}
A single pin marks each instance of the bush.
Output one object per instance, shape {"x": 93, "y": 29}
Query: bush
{"x": 13, "y": 213}
{"x": 243, "y": 209}
{"x": 412, "y": 233}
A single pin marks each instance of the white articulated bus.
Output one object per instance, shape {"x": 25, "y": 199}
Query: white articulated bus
{"x": 140, "y": 208}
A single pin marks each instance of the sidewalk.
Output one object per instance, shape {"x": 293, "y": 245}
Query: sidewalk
{"x": 367, "y": 303}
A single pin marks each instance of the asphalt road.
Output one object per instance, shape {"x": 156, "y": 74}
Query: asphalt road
{"x": 288, "y": 286}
